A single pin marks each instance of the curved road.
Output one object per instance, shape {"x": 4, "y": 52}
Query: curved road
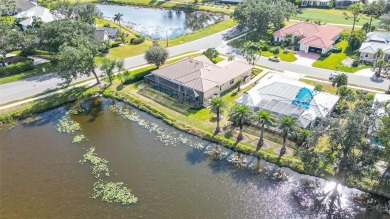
{"x": 35, "y": 85}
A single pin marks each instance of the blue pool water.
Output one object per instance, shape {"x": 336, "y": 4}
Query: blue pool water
{"x": 303, "y": 98}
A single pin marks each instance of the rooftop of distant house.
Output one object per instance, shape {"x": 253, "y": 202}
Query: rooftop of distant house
{"x": 312, "y": 34}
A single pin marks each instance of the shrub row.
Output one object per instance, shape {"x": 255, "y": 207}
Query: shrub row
{"x": 16, "y": 68}
{"x": 137, "y": 75}
{"x": 135, "y": 41}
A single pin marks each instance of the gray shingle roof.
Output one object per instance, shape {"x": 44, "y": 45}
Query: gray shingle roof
{"x": 201, "y": 76}
{"x": 99, "y": 35}
{"x": 113, "y": 32}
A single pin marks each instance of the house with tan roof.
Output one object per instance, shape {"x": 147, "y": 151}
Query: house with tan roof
{"x": 196, "y": 81}
{"x": 311, "y": 37}
{"x": 374, "y": 42}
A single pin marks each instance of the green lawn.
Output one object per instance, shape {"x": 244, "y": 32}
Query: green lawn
{"x": 335, "y": 60}
{"x": 328, "y": 16}
{"x": 288, "y": 57}
{"x": 38, "y": 70}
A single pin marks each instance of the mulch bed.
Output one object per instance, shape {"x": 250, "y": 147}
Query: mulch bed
{"x": 265, "y": 145}
{"x": 287, "y": 153}
{"x": 245, "y": 138}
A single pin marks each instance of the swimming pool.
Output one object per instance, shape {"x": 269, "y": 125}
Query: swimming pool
{"x": 303, "y": 98}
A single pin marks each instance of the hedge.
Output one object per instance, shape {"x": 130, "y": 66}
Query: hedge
{"x": 16, "y": 68}
{"x": 137, "y": 75}
{"x": 136, "y": 41}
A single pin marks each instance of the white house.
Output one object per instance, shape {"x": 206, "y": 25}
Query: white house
{"x": 312, "y": 37}
{"x": 316, "y": 3}
{"x": 373, "y": 43}
{"x": 35, "y": 12}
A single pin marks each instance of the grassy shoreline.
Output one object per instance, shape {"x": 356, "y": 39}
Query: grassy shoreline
{"x": 39, "y": 106}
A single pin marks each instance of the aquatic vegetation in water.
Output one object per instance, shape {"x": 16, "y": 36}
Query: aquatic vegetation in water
{"x": 65, "y": 124}
{"x": 78, "y": 138}
{"x": 166, "y": 136}
{"x": 99, "y": 165}
{"x": 76, "y": 109}
{"x": 113, "y": 192}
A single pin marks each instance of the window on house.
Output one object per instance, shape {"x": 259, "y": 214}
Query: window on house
{"x": 378, "y": 56}
{"x": 232, "y": 81}
{"x": 386, "y": 57}
{"x": 366, "y": 55}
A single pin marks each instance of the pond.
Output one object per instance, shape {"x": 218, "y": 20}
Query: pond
{"x": 161, "y": 23}
{"x": 170, "y": 172}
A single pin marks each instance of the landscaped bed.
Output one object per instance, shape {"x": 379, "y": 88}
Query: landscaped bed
{"x": 334, "y": 60}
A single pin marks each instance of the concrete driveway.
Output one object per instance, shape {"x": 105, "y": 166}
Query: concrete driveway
{"x": 306, "y": 59}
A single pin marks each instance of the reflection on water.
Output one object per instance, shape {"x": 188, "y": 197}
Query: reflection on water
{"x": 160, "y": 23}
{"x": 173, "y": 174}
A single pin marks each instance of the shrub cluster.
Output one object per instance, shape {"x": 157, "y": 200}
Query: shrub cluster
{"x": 16, "y": 68}
{"x": 337, "y": 50}
{"x": 135, "y": 41}
{"x": 136, "y": 76}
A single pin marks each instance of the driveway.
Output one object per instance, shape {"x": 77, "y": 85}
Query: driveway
{"x": 306, "y": 59}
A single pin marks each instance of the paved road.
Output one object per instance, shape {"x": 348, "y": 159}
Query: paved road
{"x": 35, "y": 85}
{"x": 312, "y": 71}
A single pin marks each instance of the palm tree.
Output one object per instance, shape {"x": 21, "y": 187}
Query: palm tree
{"x": 239, "y": 114}
{"x": 118, "y": 17}
{"x": 217, "y": 106}
{"x": 340, "y": 80}
{"x": 287, "y": 124}
{"x": 303, "y": 134}
{"x": 239, "y": 82}
{"x": 264, "y": 118}
{"x": 379, "y": 64}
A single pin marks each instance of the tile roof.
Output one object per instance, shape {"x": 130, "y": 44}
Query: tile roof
{"x": 372, "y": 47}
{"x": 312, "y": 34}
{"x": 201, "y": 76}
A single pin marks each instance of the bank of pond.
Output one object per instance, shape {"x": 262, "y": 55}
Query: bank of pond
{"x": 103, "y": 158}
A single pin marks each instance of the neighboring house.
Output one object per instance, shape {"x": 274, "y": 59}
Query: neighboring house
{"x": 196, "y": 81}
{"x": 375, "y": 41}
{"x": 101, "y": 35}
{"x": 285, "y": 96}
{"x": 316, "y": 3}
{"x": 313, "y": 37}
{"x": 381, "y": 111}
{"x": 29, "y": 15}
{"x": 112, "y": 32}
{"x": 345, "y": 3}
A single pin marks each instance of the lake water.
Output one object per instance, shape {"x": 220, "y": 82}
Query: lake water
{"x": 169, "y": 171}
{"x": 161, "y": 23}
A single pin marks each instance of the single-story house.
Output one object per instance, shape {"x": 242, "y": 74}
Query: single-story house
{"x": 373, "y": 43}
{"x": 106, "y": 33}
{"x": 316, "y": 3}
{"x": 285, "y": 96}
{"x": 345, "y": 3}
{"x": 196, "y": 81}
{"x": 381, "y": 111}
{"x": 35, "y": 12}
{"x": 312, "y": 37}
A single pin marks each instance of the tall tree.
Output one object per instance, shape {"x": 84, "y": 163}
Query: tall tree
{"x": 56, "y": 33}
{"x": 385, "y": 21}
{"x": 287, "y": 124}
{"x": 156, "y": 55}
{"x": 78, "y": 58}
{"x": 80, "y": 11}
{"x": 118, "y": 18}
{"x": 11, "y": 39}
{"x": 354, "y": 13}
{"x": 257, "y": 15}
{"x": 107, "y": 67}
{"x": 217, "y": 106}
{"x": 240, "y": 114}
{"x": 211, "y": 53}
{"x": 263, "y": 118}
{"x": 374, "y": 9}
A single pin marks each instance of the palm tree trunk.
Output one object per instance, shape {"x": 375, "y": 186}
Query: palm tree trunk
{"x": 120, "y": 27}
{"x": 369, "y": 26}
{"x": 261, "y": 140}
{"x": 241, "y": 126}
{"x": 96, "y": 77}
{"x": 284, "y": 141}
{"x": 217, "y": 120}
{"x": 353, "y": 25}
